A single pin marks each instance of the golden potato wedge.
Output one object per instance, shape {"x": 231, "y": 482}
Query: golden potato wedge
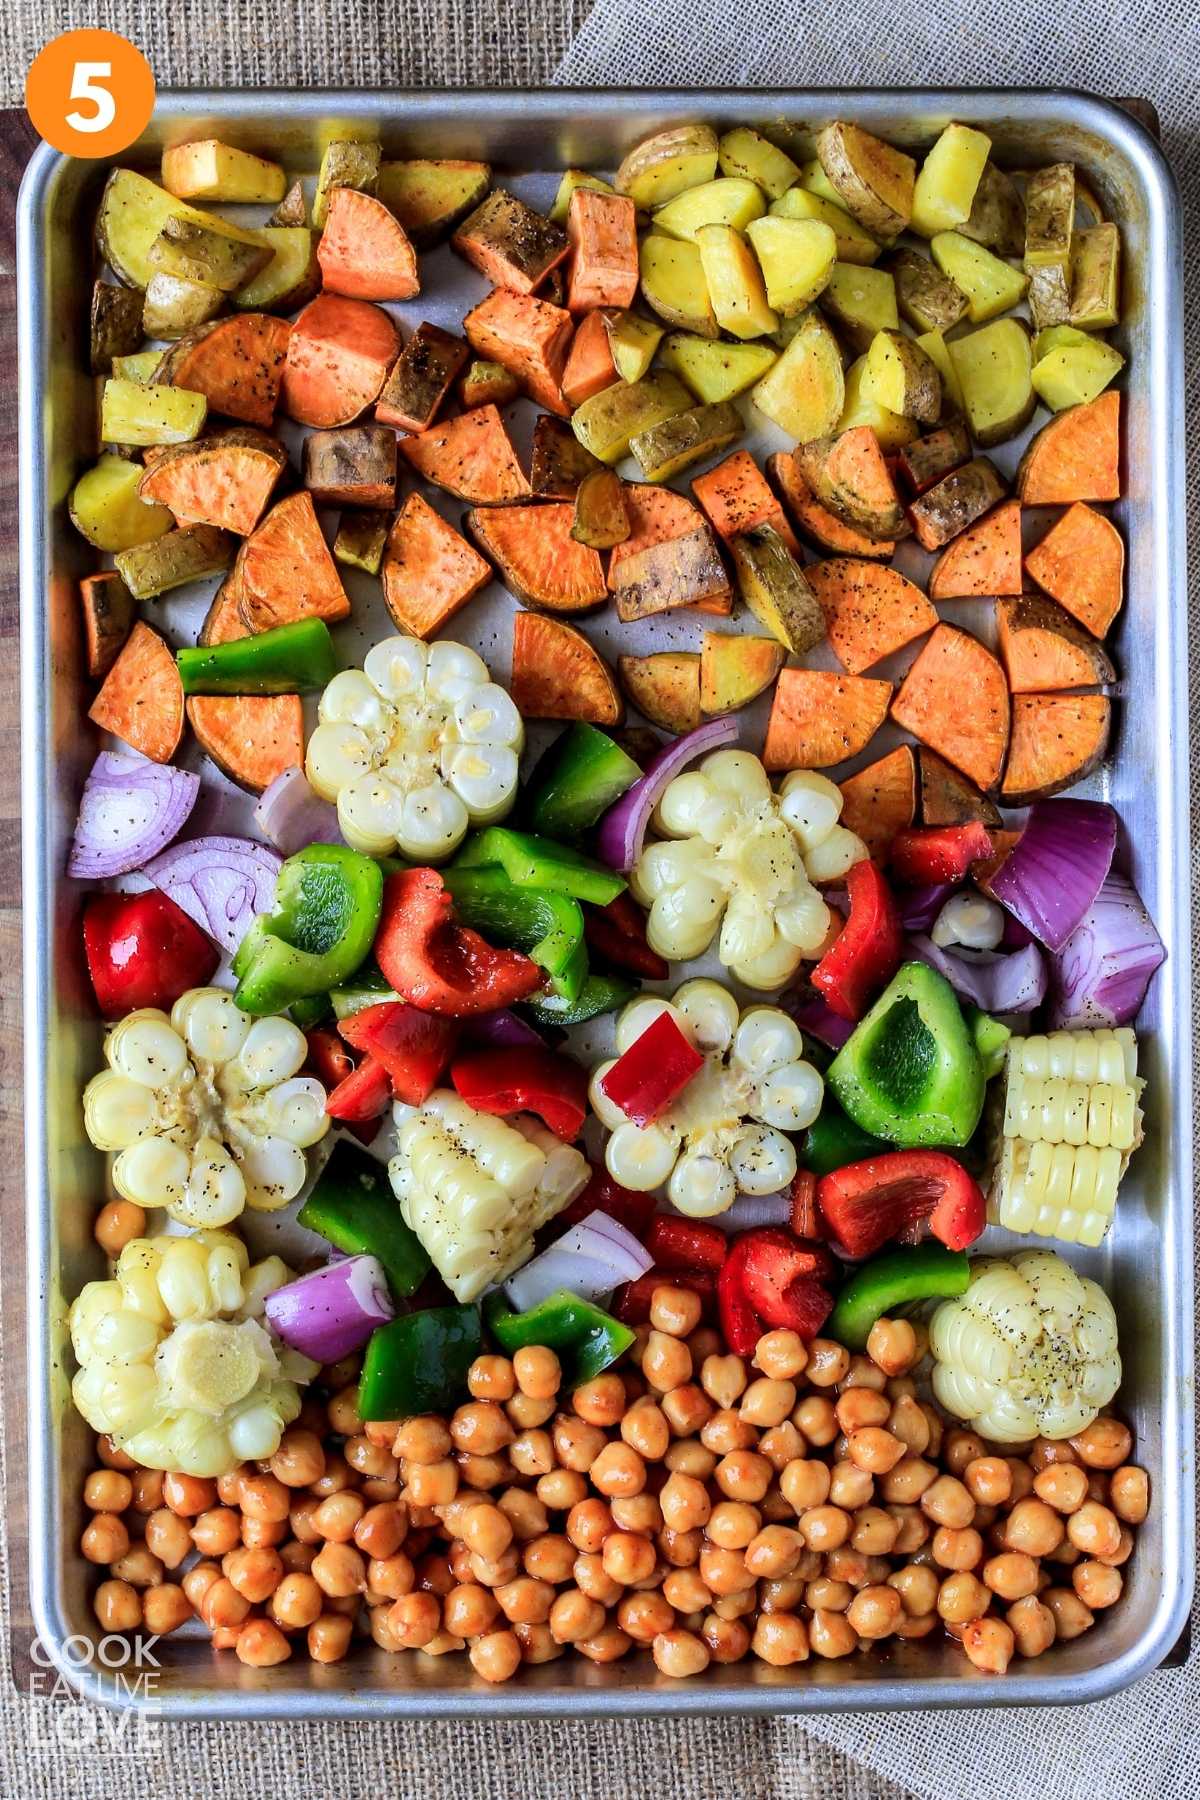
{"x": 133, "y": 413}
{"x": 664, "y": 687}
{"x": 572, "y": 179}
{"x": 735, "y": 670}
{"x": 870, "y": 179}
{"x": 210, "y": 170}
{"x": 673, "y": 284}
{"x": 804, "y": 391}
{"x": 174, "y": 305}
{"x": 292, "y": 210}
{"x": 142, "y": 366}
{"x": 956, "y": 502}
{"x": 633, "y": 341}
{"x": 601, "y": 517}
{"x": 1072, "y": 373}
{"x": 946, "y": 185}
{"x": 899, "y": 376}
{"x": 189, "y": 553}
{"x": 133, "y": 211}
{"x": 991, "y": 285}
{"x": 716, "y": 371}
{"x": 106, "y": 510}
{"x": 1096, "y": 278}
{"x": 196, "y": 252}
{"x": 891, "y": 428}
{"x": 667, "y": 448}
{"x": 431, "y": 198}
{"x": 997, "y": 214}
{"x": 727, "y": 201}
{"x": 607, "y": 422}
{"x": 116, "y": 325}
{"x": 290, "y": 279}
{"x": 860, "y": 301}
{"x": 347, "y": 163}
{"x": 776, "y": 589}
{"x": 682, "y": 571}
{"x": 746, "y": 152}
{"x": 1049, "y": 296}
{"x": 934, "y": 345}
{"x": 927, "y": 299}
{"x": 854, "y": 245}
{"x": 994, "y": 366}
{"x": 796, "y": 256}
{"x": 361, "y": 540}
{"x": 667, "y": 164}
{"x": 1049, "y": 216}
{"x": 850, "y": 476}
{"x": 735, "y": 284}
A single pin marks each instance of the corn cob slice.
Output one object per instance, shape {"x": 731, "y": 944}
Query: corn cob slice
{"x": 1071, "y": 1121}
{"x": 475, "y": 1189}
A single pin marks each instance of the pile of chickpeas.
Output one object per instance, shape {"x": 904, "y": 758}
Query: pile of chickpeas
{"x": 690, "y": 1502}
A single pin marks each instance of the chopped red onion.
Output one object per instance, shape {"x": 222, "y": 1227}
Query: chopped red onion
{"x": 590, "y": 1260}
{"x": 812, "y": 1015}
{"x": 623, "y": 827}
{"x": 503, "y": 1030}
{"x": 333, "y": 1311}
{"x": 999, "y": 984}
{"x": 1100, "y": 976}
{"x": 222, "y": 883}
{"x": 920, "y": 906}
{"x": 130, "y": 809}
{"x": 751, "y": 1211}
{"x": 291, "y": 816}
{"x": 1056, "y": 868}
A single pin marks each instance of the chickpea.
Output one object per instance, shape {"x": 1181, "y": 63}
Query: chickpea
{"x": 390, "y": 1576}
{"x": 198, "y": 1580}
{"x": 666, "y": 1362}
{"x": 1063, "y": 1486}
{"x": 784, "y": 1593}
{"x": 780, "y": 1445}
{"x": 826, "y": 1595}
{"x": 1097, "y": 1584}
{"x": 588, "y": 1524}
{"x": 575, "y": 1615}
{"x": 112, "y": 1457}
{"x": 780, "y": 1638}
{"x": 680, "y": 1549}
{"x": 947, "y": 1502}
{"x": 600, "y": 1401}
{"x": 908, "y": 1481}
{"x": 1071, "y": 1616}
{"x": 917, "y": 1587}
{"x": 1104, "y": 1444}
{"x": 491, "y": 1378}
{"x": 679, "y": 1653}
{"x": 550, "y": 1558}
{"x": 1034, "y": 1527}
{"x": 576, "y": 1443}
{"x": 723, "y": 1571}
{"x": 380, "y": 1530}
{"x": 264, "y": 1497}
{"x": 607, "y": 1645}
{"x": 907, "y": 1422}
{"x": 147, "y": 1490}
{"x": 858, "y": 1408}
{"x": 340, "y": 1571}
{"x": 892, "y": 1345}
{"x": 296, "y": 1603}
{"x": 805, "y": 1484}
{"x": 431, "y": 1484}
{"x": 165, "y": 1608}
{"x": 733, "y": 1523}
{"x": 875, "y": 1531}
{"x": 962, "y": 1447}
{"x": 1094, "y": 1530}
{"x": 989, "y": 1643}
{"x": 637, "y": 1512}
{"x": 687, "y": 1457}
{"x": 188, "y": 1495}
{"x": 337, "y": 1476}
{"x": 957, "y": 1547}
{"x": 329, "y": 1637}
{"x": 368, "y": 1458}
{"x": 481, "y": 1428}
{"x": 525, "y": 1601}
{"x": 381, "y": 1627}
{"x": 537, "y": 1645}
{"x": 560, "y": 1489}
{"x": 727, "y": 1431}
{"x": 526, "y": 1413}
{"x": 254, "y": 1573}
{"x": 592, "y": 1580}
{"x": 828, "y": 1363}
{"x": 117, "y": 1606}
{"x": 341, "y": 1409}
{"x": 525, "y": 1513}
{"x": 263, "y": 1534}
{"x": 105, "y": 1538}
{"x": 486, "y": 1530}
{"x": 108, "y": 1491}
{"x": 824, "y": 1527}
{"x": 767, "y": 1401}
{"x": 433, "y": 1573}
{"x": 912, "y": 1529}
{"x": 830, "y": 1634}
{"x": 727, "y": 1640}
{"x": 469, "y": 1610}
{"x": 875, "y": 1611}
{"x": 628, "y": 1557}
{"x": 686, "y": 1591}
{"x": 645, "y": 1428}
{"x": 221, "y": 1604}
{"x": 1129, "y": 1493}
{"x": 117, "y": 1224}
{"x": 850, "y": 1486}
{"x": 723, "y": 1379}
{"x": 962, "y": 1597}
{"x": 422, "y": 1439}
{"x": 1012, "y": 1575}
{"x": 1032, "y": 1626}
{"x": 336, "y": 1518}
{"x": 414, "y": 1619}
{"x": 618, "y": 1470}
{"x": 815, "y": 1418}
{"x": 862, "y": 1372}
{"x": 685, "y": 1502}
{"x": 847, "y": 1564}
{"x": 675, "y": 1310}
{"x": 686, "y": 1409}
{"x": 781, "y": 1355}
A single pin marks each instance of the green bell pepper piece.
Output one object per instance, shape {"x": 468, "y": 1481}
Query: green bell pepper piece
{"x": 309, "y": 1010}
{"x": 353, "y": 1208}
{"x": 327, "y": 903}
{"x": 878, "y": 1289}
{"x": 585, "y": 1339}
{"x": 369, "y": 986}
{"x": 599, "y": 994}
{"x": 533, "y": 861}
{"x": 832, "y": 1141}
{"x": 990, "y": 1035}
{"x": 419, "y": 1363}
{"x": 575, "y": 782}
{"x": 548, "y": 927}
{"x": 909, "y": 1072}
{"x": 289, "y": 659}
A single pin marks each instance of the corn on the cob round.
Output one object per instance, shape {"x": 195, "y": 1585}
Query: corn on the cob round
{"x": 736, "y": 861}
{"x": 414, "y": 747}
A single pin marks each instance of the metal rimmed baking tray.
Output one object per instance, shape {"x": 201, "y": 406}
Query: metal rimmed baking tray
{"x": 1146, "y": 1262}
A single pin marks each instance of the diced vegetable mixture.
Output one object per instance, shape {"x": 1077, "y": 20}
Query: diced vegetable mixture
{"x": 646, "y": 1044}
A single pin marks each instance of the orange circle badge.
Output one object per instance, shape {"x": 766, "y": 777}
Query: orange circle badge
{"x": 90, "y": 93}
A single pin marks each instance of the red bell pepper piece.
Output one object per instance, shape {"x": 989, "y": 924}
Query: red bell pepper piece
{"x": 616, "y": 934}
{"x": 653, "y": 1071}
{"x": 741, "y": 1326}
{"x": 602, "y": 1194}
{"x": 682, "y": 1244}
{"x": 783, "y": 1280}
{"x": 143, "y": 950}
{"x": 413, "y": 1046}
{"x": 632, "y": 1304}
{"x": 437, "y": 964}
{"x": 328, "y": 1057}
{"x": 939, "y": 853}
{"x": 362, "y": 1095}
{"x": 899, "y": 1195}
{"x": 866, "y": 952}
{"x": 536, "y": 1081}
{"x": 806, "y": 1218}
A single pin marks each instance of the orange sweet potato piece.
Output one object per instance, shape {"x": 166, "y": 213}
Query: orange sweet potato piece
{"x": 603, "y": 269}
{"x": 870, "y": 610}
{"x": 364, "y": 251}
{"x": 818, "y": 719}
{"x": 1081, "y": 563}
{"x": 141, "y": 701}
{"x": 589, "y": 367}
{"x": 983, "y": 559}
{"x": 537, "y": 557}
{"x": 237, "y": 364}
{"x": 948, "y": 798}
{"x": 1043, "y": 650}
{"x": 108, "y": 615}
{"x": 955, "y": 699}
{"x": 471, "y": 457}
{"x": 252, "y": 738}
{"x": 1057, "y": 739}
{"x": 658, "y": 515}
{"x": 337, "y": 360}
{"x": 1077, "y": 456}
{"x": 285, "y": 572}
{"x": 527, "y": 336}
{"x": 510, "y": 243}
{"x": 224, "y": 481}
{"x": 429, "y": 571}
{"x": 881, "y": 800}
{"x": 736, "y": 497}
{"x": 556, "y": 674}
{"x": 816, "y": 522}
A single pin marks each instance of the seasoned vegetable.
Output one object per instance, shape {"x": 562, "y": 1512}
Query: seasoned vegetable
{"x": 1049, "y": 217}
{"x": 289, "y": 659}
{"x": 1081, "y": 562}
{"x": 1043, "y": 650}
{"x": 899, "y": 376}
{"x": 927, "y": 299}
{"x": 664, "y": 165}
{"x": 1075, "y": 457}
{"x": 955, "y": 699}
{"x": 106, "y": 509}
{"x": 225, "y": 480}
{"x": 116, "y": 325}
{"x": 237, "y": 364}
{"x": 360, "y": 541}
{"x": 821, "y": 527}
{"x": 849, "y": 476}
{"x": 486, "y": 383}
{"x": 337, "y": 359}
{"x": 956, "y": 502}
{"x": 471, "y": 457}
{"x": 556, "y": 674}
{"x": 537, "y": 557}
{"x": 682, "y": 571}
{"x": 572, "y": 179}
{"x": 632, "y": 342}
{"x": 736, "y": 497}
{"x": 881, "y": 800}
{"x": 364, "y": 251}
{"x": 775, "y": 587}
{"x": 284, "y": 570}
{"x": 991, "y": 285}
{"x": 133, "y": 212}
{"x": 804, "y": 392}
{"x": 292, "y": 210}
{"x": 819, "y": 719}
{"x": 608, "y": 422}
{"x": 527, "y": 336}
{"x": 429, "y": 198}
{"x": 872, "y": 180}
{"x": 1096, "y": 278}
{"x": 983, "y": 559}
{"x": 715, "y": 371}
{"x": 189, "y": 553}
{"x": 198, "y": 252}
{"x": 429, "y": 571}
{"x": 926, "y": 460}
{"x": 108, "y": 615}
{"x": 252, "y": 738}
{"x": 891, "y": 430}
{"x": 141, "y": 700}
{"x": 355, "y": 466}
{"x": 292, "y": 276}
{"x": 796, "y": 257}
{"x": 735, "y": 283}
{"x": 994, "y": 367}
{"x": 949, "y": 177}
{"x": 206, "y": 169}
{"x": 937, "y": 350}
{"x": 947, "y": 798}
{"x": 1049, "y": 296}
{"x": 997, "y": 214}
{"x": 511, "y": 244}
{"x": 131, "y": 413}
{"x": 854, "y": 245}
{"x": 1057, "y": 740}
{"x": 590, "y": 366}
{"x": 667, "y": 448}
{"x": 665, "y": 687}
{"x": 746, "y": 152}
{"x": 734, "y": 202}
{"x": 861, "y": 302}
{"x": 674, "y": 284}
{"x": 345, "y": 164}
{"x": 735, "y": 669}
{"x": 869, "y": 611}
{"x": 558, "y": 461}
{"x": 910, "y": 1073}
{"x": 175, "y": 306}
{"x": 601, "y": 518}
{"x": 1071, "y": 371}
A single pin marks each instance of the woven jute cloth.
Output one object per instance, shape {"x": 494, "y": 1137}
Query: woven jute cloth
{"x": 1139, "y": 1746}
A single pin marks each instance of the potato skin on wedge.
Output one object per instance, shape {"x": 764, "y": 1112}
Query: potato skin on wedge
{"x": 873, "y": 181}
{"x": 665, "y": 688}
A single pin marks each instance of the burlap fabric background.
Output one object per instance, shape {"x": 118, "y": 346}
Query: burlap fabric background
{"x": 1141, "y": 1746}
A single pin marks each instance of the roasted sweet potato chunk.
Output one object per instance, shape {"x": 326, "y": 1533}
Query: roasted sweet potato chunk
{"x": 558, "y": 461}
{"x": 1057, "y": 740}
{"x": 928, "y": 459}
{"x": 881, "y": 800}
{"x": 538, "y": 559}
{"x": 870, "y": 610}
{"x": 955, "y": 699}
{"x": 603, "y": 267}
{"x": 471, "y": 457}
{"x": 285, "y": 572}
{"x": 683, "y": 571}
{"x": 735, "y": 496}
{"x": 948, "y": 798}
{"x": 815, "y": 522}
{"x": 656, "y": 515}
{"x": 528, "y": 336}
{"x": 556, "y": 674}
{"x": 108, "y": 615}
{"x": 1081, "y": 563}
{"x": 511, "y": 244}
{"x": 141, "y": 701}
{"x": 224, "y": 481}
{"x": 238, "y": 365}
{"x": 354, "y": 466}
{"x": 337, "y": 360}
{"x": 364, "y": 251}
{"x": 589, "y": 367}
{"x": 1043, "y": 649}
{"x": 983, "y": 559}
{"x": 429, "y": 570}
{"x": 420, "y": 379}
{"x": 1077, "y": 456}
{"x": 252, "y": 738}
{"x": 819, "y": 719}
